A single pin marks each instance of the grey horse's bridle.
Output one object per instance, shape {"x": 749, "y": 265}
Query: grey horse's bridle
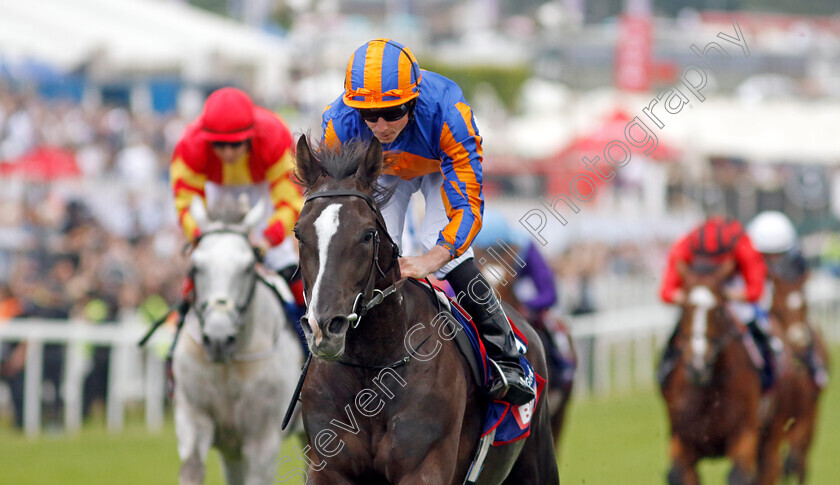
{"x": 238, "y": 307}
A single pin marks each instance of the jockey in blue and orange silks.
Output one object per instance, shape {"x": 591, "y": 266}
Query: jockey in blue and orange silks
{"x": 428, "y": 131}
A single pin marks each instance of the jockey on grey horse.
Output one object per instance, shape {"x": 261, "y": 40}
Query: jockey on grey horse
{"x": 238, "y": 357}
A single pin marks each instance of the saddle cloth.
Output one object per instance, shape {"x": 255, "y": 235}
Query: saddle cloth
{"x": 503, "y": 423}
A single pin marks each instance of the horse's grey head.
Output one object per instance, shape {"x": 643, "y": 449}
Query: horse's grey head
{"x": 224, "y": 274}
{"x": 706, "y": 326}
{"x": 344, "y": 250}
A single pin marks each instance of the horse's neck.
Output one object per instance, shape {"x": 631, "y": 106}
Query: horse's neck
{"x": 379, "y": 338}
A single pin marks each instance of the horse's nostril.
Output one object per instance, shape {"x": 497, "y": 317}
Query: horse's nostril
{"x": 205, "y": 339}
{"x": 336, "y": 324}
{"x": 230, "y": 340}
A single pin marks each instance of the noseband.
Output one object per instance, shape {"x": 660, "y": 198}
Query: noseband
{"x": 370, "y": 296}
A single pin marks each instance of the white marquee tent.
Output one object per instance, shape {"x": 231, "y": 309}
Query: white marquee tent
{"x": 115, "y": 37}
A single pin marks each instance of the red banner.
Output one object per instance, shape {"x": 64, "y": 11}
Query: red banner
{"x": 633, "y": 53}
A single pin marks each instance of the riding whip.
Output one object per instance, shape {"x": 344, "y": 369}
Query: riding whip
{"x": 291, "y": 409}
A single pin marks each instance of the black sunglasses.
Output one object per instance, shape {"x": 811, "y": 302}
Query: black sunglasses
{"x": 222, "y": 144}
{"x": 392, "y": 113}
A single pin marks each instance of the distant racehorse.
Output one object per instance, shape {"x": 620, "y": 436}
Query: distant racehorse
{"x": 554, "y": 333}
{"x": 237, "y": 360}
{"x": 713, "y": 394}
{"x": 374, "y": 410}
{"x": 791, "y": 310}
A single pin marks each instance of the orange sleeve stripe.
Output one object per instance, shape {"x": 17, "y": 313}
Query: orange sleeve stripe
{"x": 462, "y": 166}
{"x": 330, "y": 137}
{"x": 466, "y": 113}
{"x": 450, "y": 232}
{"x": 465, "y": 171}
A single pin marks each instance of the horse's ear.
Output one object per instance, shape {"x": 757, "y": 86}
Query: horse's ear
{"x": 307, "y": 168}
{"x": 254, "y": 215}
{"x": 199, "y": 212}
{"x": 370, "y": 167}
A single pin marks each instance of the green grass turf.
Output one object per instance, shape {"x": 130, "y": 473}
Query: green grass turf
{"x": 615, "y": 441}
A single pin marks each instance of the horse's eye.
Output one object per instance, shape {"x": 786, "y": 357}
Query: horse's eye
{"x": 369, "y": 235}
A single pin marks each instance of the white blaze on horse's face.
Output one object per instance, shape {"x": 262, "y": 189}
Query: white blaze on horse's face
{"x": 326, "y": 227}
{"x": 795, "y": 300}
{"x": 703, "y": 300}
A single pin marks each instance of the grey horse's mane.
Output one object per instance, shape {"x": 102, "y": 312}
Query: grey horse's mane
{"x": 228, "y": 210}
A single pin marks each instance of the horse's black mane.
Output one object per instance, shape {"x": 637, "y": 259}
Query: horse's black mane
{"x": 341, "y": 162}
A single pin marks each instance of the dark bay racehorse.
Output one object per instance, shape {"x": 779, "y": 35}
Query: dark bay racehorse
{"x": 713, "y": 395}
{"x": 791, "y": 311}
{"x": 388, "y": 398}
{"x": 549, "y": 327}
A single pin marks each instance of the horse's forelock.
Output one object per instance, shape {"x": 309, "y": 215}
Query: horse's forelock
{"x": 341, "y": 162}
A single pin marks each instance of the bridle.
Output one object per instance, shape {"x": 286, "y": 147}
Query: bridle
{"x": 719, "y": 342}
{"x": 370, "y": 296}
{"x": 367, "y": 298}
{"x": 238, "y": 307}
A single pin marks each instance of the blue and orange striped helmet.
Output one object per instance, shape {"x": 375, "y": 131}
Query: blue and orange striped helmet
{"x": 380, "y": 74}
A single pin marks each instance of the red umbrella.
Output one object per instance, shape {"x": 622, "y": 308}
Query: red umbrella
{"x": 42, "y": 164}
{"x": 612, "y": 128}
{"x": 562, "y": 167}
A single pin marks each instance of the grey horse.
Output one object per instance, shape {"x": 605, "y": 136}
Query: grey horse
{"x": 238, "y": 358}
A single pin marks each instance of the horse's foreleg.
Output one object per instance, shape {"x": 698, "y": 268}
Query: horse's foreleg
{"x": 234, "y": 471}
{"x": 195, "y": 436}
{"x": 743, "y": 451}
{"x": 801, "y": 435}
{"x": 769, "y": 466}
{"x": 683, "y": 464}
{"x": 260, "y": 453}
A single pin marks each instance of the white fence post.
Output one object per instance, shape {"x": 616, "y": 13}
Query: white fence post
{"x": 116, "y": 381}
{"x": 73, "y": 386}
{"x": 154, "y": 389}
{"x": 32, "y": 379}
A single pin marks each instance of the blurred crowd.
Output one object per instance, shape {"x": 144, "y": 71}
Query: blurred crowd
{"x": 99, "y": 248}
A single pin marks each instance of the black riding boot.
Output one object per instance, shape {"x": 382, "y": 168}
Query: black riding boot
{"x": 294, "y": 312}
{"x": 768, "y": 354}
{"x": 474, "y": 294}
{"x": 669, "y": 359}
{"x": 816, "y": 366}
